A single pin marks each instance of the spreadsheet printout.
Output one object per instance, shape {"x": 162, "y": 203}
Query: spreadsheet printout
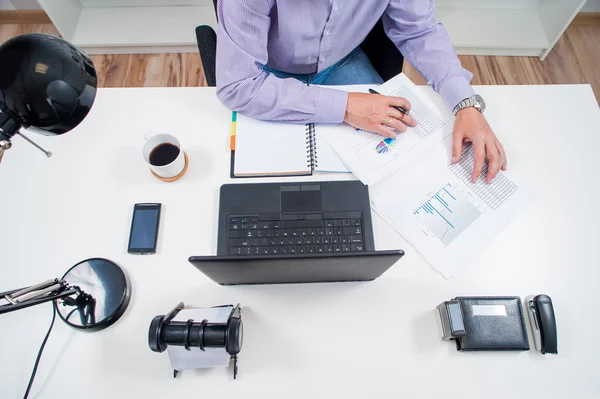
{"x": 448, "y": 219}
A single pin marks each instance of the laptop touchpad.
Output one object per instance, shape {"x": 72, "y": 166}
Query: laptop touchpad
{"x": 305, "y": 198}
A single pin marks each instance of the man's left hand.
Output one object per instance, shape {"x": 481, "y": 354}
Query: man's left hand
{"x": 471, "y": 126}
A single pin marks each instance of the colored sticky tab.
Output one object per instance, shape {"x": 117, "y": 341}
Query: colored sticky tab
{"x": 233, "y": 128}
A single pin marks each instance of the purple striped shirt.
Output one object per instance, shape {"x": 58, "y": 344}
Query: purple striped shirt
{"x": 308, "y": 36}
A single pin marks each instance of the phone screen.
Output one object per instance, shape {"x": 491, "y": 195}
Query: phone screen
{"x": 144, "y": 228}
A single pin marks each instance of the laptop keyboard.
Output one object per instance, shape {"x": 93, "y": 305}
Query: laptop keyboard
{"x": 252, "y": 235}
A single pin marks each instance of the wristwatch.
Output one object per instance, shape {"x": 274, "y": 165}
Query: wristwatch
{"x": 475, "y": 101}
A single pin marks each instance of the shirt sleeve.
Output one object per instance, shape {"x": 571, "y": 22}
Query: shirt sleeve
{"x": 243, "y": 86}
{"x": 425, "y": 43}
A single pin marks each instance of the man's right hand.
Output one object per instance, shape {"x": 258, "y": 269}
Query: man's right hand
{"x": 374, "y": 112}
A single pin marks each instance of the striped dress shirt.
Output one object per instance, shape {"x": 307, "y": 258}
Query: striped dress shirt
{"x": 307, "y": 37}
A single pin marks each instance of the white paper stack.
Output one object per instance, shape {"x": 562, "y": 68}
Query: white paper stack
{"x": 413, "y": 187}
{"x": 444, "y": 216}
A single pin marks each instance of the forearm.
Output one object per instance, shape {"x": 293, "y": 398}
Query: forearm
{"x": 425, "y": 43}
{"x": 267, "y": 97}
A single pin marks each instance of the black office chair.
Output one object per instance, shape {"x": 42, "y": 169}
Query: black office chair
{"x": 382, "y": 52}
{"x": 207, "y": 46}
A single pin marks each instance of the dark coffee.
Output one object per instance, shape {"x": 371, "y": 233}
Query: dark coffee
{"x": 164, "y": 154}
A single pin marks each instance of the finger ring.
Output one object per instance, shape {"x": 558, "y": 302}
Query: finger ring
{"x": 390, "y": 122}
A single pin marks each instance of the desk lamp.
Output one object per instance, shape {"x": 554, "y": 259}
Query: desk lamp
{"x": 48, "y": 86}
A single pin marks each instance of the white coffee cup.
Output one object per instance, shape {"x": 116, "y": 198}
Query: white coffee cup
{"x": 170, "y": 169}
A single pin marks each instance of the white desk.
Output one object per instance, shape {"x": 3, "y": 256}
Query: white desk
{"x": 341, "y": 340}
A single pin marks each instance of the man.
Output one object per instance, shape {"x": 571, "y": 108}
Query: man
{"x": 269, "y": 49}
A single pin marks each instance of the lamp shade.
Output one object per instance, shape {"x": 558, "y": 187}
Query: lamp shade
{"x": 46, "y": 84}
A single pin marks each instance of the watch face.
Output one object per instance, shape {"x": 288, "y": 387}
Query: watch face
{"x": 479, "y": 103}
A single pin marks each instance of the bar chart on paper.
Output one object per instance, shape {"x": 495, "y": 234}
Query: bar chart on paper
{"x": 447, "y": 213}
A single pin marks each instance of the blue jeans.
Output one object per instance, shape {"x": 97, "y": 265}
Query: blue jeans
{"x": 353, "y": 69}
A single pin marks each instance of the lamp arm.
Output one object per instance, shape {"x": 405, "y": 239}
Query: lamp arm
{"x": 45, "y": 292}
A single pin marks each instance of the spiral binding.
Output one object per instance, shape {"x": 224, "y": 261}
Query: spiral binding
{"x": 311, "y": 147}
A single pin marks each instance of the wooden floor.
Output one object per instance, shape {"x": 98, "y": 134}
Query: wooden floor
{"x": 575, "y": 59}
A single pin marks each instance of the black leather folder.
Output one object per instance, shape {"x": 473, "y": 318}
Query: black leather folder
{"x": 493, "y": 323}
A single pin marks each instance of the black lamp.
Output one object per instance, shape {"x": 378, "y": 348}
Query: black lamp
{"x": 47, "y": 86}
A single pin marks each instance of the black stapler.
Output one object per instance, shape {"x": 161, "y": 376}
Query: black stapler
{"x": 543, "y": 323}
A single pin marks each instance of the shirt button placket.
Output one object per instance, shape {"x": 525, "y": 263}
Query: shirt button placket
{"x": 326, "y": 41}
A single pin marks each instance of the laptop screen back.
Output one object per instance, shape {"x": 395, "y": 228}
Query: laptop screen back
{"x": 231, "y": 270}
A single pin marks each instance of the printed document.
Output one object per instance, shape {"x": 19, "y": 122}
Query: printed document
{"x": 372, "y": 157}
{"x": 448, "y": 219}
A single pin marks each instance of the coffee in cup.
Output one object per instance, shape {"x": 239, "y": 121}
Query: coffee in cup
{"x": 164, "y": 155}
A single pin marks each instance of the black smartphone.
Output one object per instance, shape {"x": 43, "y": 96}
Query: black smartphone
{"x": 144, "y": 229}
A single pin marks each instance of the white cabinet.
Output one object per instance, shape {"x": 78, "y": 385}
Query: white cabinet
{"x": 506, "y": 27}
{"x": 481, "y": 27}
{"x": 131, "y": 26}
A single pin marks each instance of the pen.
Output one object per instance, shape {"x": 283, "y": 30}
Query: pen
{"x": 405, "y": 112}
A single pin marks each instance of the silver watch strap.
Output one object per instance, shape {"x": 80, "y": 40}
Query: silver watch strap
{"x": 467, "y": 102}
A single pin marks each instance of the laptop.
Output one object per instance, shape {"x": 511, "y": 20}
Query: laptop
{"x": 295, "y": 233}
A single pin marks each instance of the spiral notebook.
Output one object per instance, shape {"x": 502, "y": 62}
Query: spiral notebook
{"x": 262, "y": 149}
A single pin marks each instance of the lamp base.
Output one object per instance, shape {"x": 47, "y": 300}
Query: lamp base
{"x": 91, "y": 296}
{"x": 104, "y": 294}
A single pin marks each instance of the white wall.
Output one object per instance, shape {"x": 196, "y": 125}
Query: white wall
{"x": 591, "y": 6}
{"x": 26, "y": 4}
{"x": 6, "y": 5}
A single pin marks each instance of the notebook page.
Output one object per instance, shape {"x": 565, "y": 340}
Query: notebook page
{"x": 270, "y": 148}
{"x": 328, "y": 161}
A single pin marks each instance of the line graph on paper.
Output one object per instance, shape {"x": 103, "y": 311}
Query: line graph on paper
{"x": 446, "y": 213}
